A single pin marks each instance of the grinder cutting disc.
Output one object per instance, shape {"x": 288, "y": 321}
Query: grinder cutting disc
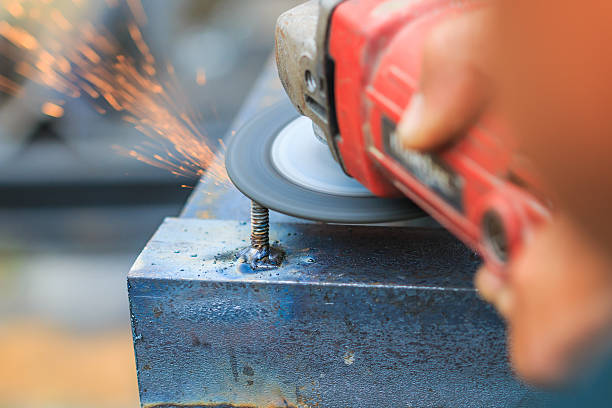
{"x": 277, "y": 161}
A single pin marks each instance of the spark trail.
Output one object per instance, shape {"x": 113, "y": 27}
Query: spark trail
{"x": 78, "y": 59}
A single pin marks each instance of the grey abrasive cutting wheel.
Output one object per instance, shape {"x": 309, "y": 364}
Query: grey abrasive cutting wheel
{"x": 277, "y": 161}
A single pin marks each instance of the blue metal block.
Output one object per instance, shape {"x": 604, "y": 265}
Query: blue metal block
{"x": 355, "y": 317}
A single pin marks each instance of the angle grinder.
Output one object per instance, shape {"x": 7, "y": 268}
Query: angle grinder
{"x": 350, "y": 68}
{"x": 277, "y": 161}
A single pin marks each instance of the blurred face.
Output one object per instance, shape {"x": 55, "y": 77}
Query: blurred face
{"x": 555, "y": 83}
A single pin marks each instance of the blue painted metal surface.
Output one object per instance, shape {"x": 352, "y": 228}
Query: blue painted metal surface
{"x": 355, "y": 317}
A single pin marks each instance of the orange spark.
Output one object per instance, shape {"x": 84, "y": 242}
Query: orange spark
{"x": 63, "y": 65}
{"x": 15, "y": 9}
{"x": 137, "y": 11}
{"x": 24, "y": 69}
{"x": 89, "y": 54}
{"x": 52, "y": 109}
{"x": 89, "y": 90}
{"x": 149, "y": 69}
{"x": 140, "y": 44}
{"x": 17, "y": 36}
{"x": 93, "y": 63}
{"x": 201, "y": 77}
{"x": 112, "y": 102}
{"x": 103, "y": 44}
{"x": 8, "y": 86}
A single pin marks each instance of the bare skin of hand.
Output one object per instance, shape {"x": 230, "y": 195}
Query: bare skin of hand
{"x": 557, "y": 293}
{"x": 453, "y": 88}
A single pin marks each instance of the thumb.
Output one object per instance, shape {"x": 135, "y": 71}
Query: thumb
{"x": 453, "y": 89}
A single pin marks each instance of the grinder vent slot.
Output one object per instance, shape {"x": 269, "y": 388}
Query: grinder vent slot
{"x": 316, "y": 108}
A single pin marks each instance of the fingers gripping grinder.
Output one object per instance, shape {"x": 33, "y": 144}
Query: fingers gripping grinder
{"x": 351, "y": 68}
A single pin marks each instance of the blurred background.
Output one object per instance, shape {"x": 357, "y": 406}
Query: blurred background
{"x": 74, "y": 213}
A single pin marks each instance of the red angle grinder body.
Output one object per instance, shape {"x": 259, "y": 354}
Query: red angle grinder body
{"x": 478, "y": 188}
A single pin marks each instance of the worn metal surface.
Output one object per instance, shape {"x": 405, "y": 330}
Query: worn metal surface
{"x": 355, "y": 317}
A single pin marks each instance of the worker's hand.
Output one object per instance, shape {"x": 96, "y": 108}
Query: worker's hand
{"x": 552, "y": 86}
{"x": 557, "y": 302}
{"x": 453, "y": 91}
{"x": 454, "y": 87}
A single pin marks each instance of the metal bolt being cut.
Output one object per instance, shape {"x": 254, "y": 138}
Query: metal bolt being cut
{"x": 260, "y": 226}
{"x": 260, "y": 255}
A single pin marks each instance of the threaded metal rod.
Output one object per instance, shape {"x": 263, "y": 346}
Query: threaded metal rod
{"x": 260, "y": 255}
{"x": 260, "y": 226}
